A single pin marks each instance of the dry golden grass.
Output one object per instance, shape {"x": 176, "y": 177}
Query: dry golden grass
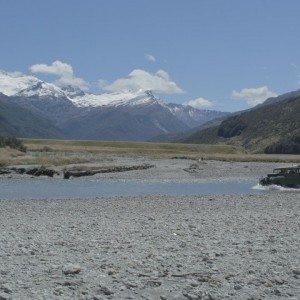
{"x": 14, "y": 157}
{"x": 63, "y": 152}
{"x": 129, "y": 148}
{"x": 8, "y": 155}
{"x": 55, "y": 160}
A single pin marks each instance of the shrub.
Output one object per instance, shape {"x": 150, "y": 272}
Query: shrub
{"x": 231, "y": 127}
{"x": 12, "y": 142}
{"x": 285, "y": 146}
{"x": 46, "y": 149}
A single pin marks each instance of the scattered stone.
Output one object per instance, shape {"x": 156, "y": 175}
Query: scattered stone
{"x": 277, "y": 280}
{"x": 204, "y": 278}
{"x": 6, "y": 288}
{"x": 72, "y": 269}
{"x": 4, "y": 171}
{"x": 191, "y": 296}
{"x": 193, "y": 283}
{"x": 209, "y": 297}
{"x": 70, "y": 283}
{"x": 37, "y": 171}
{"x": 92, "y": 171}
{"x": 105, "y": 290}
{"x": 153, "y": 283}
{"x": 96, "y": 234}
{"x": 296, "y": 271}
{"x": 237, "y": 287}
{"x": 41, "y": 171}
{"x": 97, "y": 297}
{"x": 277, "y": 292}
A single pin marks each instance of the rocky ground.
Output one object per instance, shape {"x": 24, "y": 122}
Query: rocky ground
{"x": 212, "y": 247}
{"x": 183, "y": 170}
{"x": 186, "y": 170}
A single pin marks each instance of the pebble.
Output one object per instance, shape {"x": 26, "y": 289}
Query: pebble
{"x": 105, "y": 290}
{"x": 72, "y": 269}
{"x": 296, "y": 271}
{"x": 237, "y": 287}
{"x": 6, "y": 288}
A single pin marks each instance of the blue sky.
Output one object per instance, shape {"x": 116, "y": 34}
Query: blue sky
{"x": 230, "y": 53}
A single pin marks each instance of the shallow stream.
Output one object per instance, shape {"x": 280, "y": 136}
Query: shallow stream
{"x": 44, "y": 188}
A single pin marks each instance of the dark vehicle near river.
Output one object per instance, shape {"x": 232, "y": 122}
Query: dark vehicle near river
{"x": 286, "y": 177}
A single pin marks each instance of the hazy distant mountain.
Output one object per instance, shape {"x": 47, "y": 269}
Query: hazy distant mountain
{"x": 128, "y": 115}
{"x": 196, "y": 119}
{"x": 271, "y": 128}
{"x": 137, "y": 118}
{"x": 192, "y": 116}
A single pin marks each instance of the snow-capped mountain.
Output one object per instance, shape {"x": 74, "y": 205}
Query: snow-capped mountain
{"x": 43, "y": 90}
{"x": 192, "y": 116}
{"x": 130, "y": 98}
{"x": 14, "y": 82}
{"x": 17, "y": 84}
{"x": 41, "y": 98}
{"x": 127, "y": 115}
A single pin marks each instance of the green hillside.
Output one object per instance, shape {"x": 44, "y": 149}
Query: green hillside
{"x": 273, "y": 128}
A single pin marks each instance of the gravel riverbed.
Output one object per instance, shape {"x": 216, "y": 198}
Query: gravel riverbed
{"x": 179, "y": 170}
{"x": 154, "y": 247}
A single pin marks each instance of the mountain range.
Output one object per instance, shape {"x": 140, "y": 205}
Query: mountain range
{"x": 32, "y": 108}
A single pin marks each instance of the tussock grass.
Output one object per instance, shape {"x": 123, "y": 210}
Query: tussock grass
{"x": 7, "y": 155}
{"x": 13, "y": 157}
{"x": 128, "y": 148}
{"x": 64, "y": 152}
{"x": 56, "y": 160}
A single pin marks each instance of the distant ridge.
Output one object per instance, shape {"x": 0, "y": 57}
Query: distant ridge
{"x": 273, "y": 127}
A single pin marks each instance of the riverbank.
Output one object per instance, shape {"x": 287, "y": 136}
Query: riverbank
{"x": 206, "y": 247}
{"x": 62, "y": 153}
{"x": 178, "y": 169}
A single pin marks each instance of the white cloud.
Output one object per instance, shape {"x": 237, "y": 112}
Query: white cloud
{"x": 57, "y": 68}
{"x": 253, "y": 96}
{"x": 159, "y": 82}
{"x": 63, "y": 71}
{"x": 199, "y": 103}
{"x": 163, "y": 74}
{"x": 150, "y": 57}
